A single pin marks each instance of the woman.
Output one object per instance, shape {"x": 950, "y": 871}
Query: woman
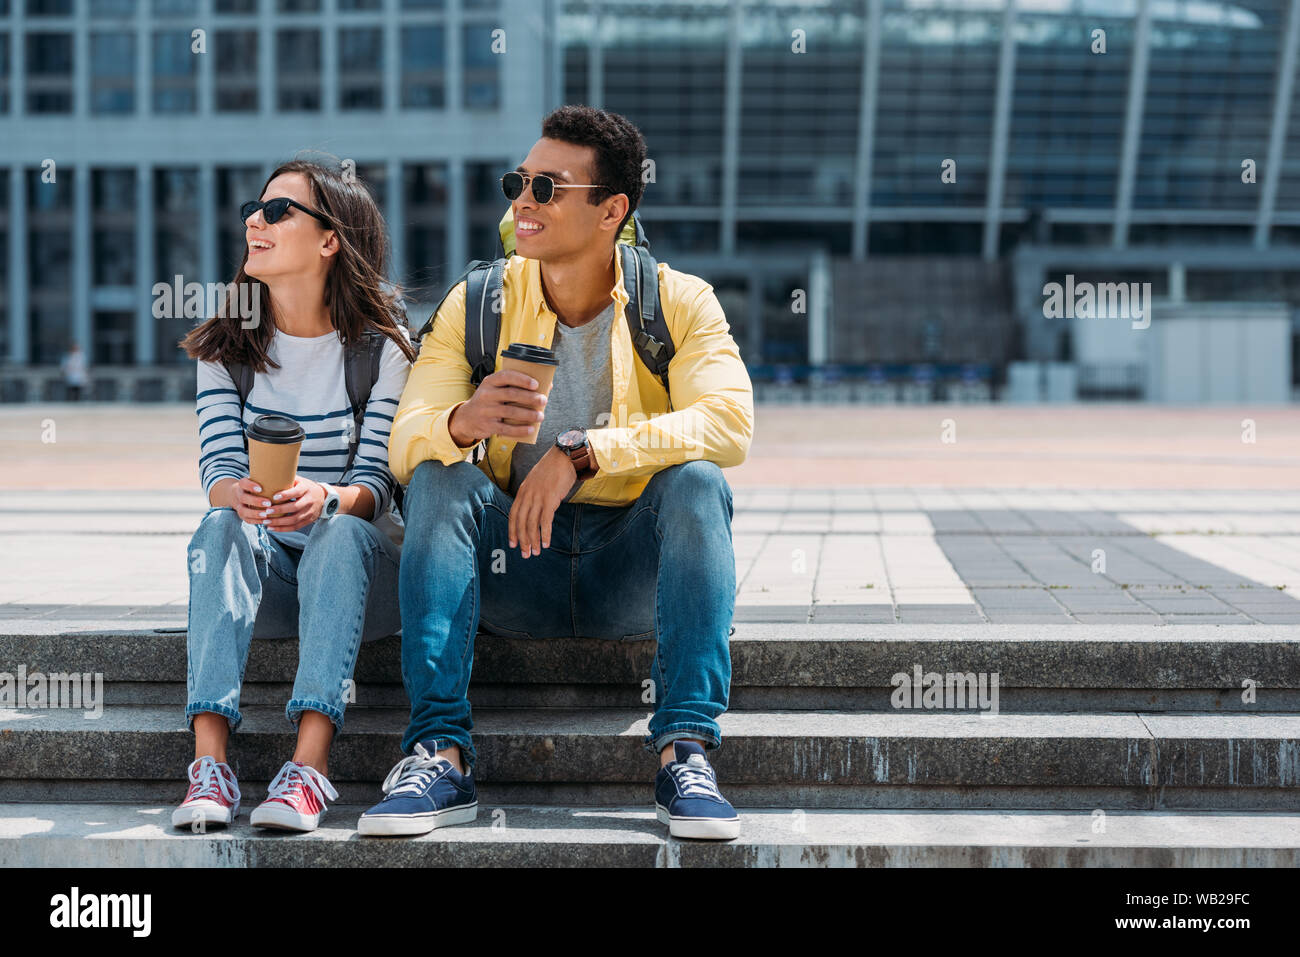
{"x": 270, "y": 565}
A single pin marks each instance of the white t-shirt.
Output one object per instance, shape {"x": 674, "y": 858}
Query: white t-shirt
{"x": 309, "y": 388}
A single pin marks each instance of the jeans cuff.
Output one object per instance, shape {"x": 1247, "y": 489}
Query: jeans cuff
{"x": 657, "y": 742}
{"x": 294, "y": 709}
{"x": 211, "y": 707}
{"x": 467, "y": 755}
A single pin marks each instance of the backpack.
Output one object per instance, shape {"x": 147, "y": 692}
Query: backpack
{"x": 360, "y": 373}
{"x": 644, "y": 314}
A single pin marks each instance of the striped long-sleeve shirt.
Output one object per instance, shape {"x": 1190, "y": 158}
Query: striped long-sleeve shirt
{"x": 308, "y": 387}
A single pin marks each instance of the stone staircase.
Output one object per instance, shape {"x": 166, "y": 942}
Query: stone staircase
{"x": 1112, "y": 745}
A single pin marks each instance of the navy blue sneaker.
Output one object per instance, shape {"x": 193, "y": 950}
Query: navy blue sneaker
{"x": 422, "y": 792}
{"x": 687, "y": 797}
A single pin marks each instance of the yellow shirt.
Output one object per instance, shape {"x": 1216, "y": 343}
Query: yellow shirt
{"x": 712, "y": 397}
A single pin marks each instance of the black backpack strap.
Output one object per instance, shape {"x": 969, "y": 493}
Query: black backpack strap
{"x": 360, "y": 373}
{"x": 644, "y": 313}
{"x": 241, "y": 374}
{"x": 484, "y": 297}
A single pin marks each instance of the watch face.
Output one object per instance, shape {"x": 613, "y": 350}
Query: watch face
{"x": 571, "y": 439}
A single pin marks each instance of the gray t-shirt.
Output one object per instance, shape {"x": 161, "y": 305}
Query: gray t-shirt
{"x": 583, "y": 391}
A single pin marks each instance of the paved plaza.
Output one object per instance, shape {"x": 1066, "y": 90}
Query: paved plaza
{"x": 1132, "y": 528}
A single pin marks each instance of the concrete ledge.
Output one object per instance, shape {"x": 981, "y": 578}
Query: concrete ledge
{"x": 115, "y": 835}
{"x": 1135, "y": 752}
{"x": 1193, "y": 657}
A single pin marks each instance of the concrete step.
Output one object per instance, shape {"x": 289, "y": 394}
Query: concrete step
{"x": 768, "y": 759}
{"x": 118, "y": 835}
{"x": 774, "y": 666}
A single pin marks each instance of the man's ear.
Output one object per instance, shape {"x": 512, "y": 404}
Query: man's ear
{"x": 616, "y": 211}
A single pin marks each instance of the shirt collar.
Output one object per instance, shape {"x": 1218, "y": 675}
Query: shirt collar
{"x": 535, "y": 301}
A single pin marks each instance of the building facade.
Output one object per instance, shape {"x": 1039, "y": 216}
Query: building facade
{"x": 792, "y": 141}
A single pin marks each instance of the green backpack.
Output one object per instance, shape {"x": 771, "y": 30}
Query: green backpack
{"x": 484, "y": 286}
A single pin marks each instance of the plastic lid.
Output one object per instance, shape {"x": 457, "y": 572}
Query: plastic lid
{"x": 530, "y": 353}
{"x": 275, "y": 430}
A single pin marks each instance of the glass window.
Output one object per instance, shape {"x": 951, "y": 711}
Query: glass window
{"x": 4, "y": 73}
{"x": 486, "y": 205}
{"x": 113, "y": 190}
{"x": 164, "y": 8}
{"x": 112, "y": 205}
{"x": 424, "y": 193}
{"x": 482, "y": 68}
{"x": 50, "y": 258}
{"x": 49, "y": 73}
{"x": 174, "y": 69}
{"x": 361, "y": 68}
{"x": 49, "y": 197}
{"x": 374, "y": 176}
{"x": 298, "y": 6}
{"x": 360, "y": 4}
{"x": 49, "y": 8}
{"x": 112, "y": 72}
{"x": 112, "y": 8}
{"x": 421, "y": 4}
{"x": 236, "y": 185}
{"x": 112, "y": 333}
{"x": 423, "y": 66}
{"x": 236, "y": 68}
{"x": 176, "y": 245}
{"x": 236, "y": 6}
{"x": 297, "y": 66}
{"x": 49, "y": 244}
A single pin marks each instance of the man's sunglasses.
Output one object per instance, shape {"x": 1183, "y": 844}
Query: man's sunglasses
{"x": 273, "y": 210}
{"x": 513, "y": 184}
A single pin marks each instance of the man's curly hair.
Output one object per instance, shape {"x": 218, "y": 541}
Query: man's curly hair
{"x": 619, "y": 147}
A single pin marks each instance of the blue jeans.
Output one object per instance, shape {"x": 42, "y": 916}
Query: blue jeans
{"x": 340, "y": 590}
{"x": 661, "y": 567}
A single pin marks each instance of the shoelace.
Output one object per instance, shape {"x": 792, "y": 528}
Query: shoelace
{"x": 207, "y": 781}
{"x": 293, "y": 779}
{"x": 695, "y": 780}
{"x": 414, "y": 773}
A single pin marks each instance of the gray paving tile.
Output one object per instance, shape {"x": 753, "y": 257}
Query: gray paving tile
{"x": 771, "y": 613}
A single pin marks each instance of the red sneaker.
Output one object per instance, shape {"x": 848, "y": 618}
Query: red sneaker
{"x": 213, "y": 797}
{"x": 295, "y": 800}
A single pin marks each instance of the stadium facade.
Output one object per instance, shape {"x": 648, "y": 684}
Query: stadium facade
{"x": 864, "y": 181}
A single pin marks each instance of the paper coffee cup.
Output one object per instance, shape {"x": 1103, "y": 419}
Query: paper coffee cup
{"x": 538, "y": 362}
{"x": 273, "y": 444}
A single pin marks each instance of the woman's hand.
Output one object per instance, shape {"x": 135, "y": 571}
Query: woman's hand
{"x": 246, "y": 498}
{"x": 298, "y": 505}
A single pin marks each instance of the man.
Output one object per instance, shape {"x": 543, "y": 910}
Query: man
{"x": 625, "y": 531}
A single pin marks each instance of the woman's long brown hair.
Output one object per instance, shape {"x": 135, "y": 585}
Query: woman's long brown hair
{"x": 356, "y": 292}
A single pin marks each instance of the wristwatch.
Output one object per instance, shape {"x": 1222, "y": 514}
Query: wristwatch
{"x": 574, "y": 444}
{"x": 331, "y": 506}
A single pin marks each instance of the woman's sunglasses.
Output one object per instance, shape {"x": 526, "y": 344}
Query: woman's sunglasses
{"x": 273, "y": 210}
{"x": 513, "y": 183}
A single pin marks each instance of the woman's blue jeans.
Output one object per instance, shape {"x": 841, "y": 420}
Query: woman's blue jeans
{"x": 340, "y": 590}
{"x": 661, "y": 567}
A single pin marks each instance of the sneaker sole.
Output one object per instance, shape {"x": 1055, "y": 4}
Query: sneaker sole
{"x": 211, "y": 815}
{"x": 283, "y": 819}
{"x": 408, "y": 825}
{"x": 705, "y": 828}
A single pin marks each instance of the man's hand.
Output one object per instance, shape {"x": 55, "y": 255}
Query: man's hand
{"x": 540, "y": 494}
{"x": 298, "y": 505}
{"x": 494, "y": 404}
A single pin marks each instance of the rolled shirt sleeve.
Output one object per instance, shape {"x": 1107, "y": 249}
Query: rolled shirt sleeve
{"x": 439, "y": 382}
{"x": 713, "y": 399}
